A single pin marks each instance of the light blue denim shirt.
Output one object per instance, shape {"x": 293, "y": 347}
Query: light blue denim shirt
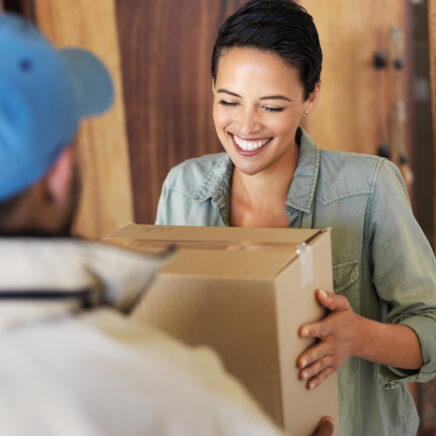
{"x": 382, "y": 261}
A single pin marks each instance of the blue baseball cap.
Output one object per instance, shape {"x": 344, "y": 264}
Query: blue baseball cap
{"x": 44, "y": 94}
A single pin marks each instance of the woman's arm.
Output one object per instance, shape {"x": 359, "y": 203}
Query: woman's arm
{"x": 403, "y": 275}
{"x": 343, "y": 334}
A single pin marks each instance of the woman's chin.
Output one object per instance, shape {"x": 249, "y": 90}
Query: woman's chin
{"x": 248, "y": 170}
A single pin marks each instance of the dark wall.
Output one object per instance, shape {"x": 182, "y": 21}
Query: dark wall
{"x": 165, "y": 53}
{"x": 22, "y": 7}
{"x": 423, "y": 150}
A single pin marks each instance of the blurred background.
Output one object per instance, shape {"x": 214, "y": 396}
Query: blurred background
{"x": 376, "y": 98}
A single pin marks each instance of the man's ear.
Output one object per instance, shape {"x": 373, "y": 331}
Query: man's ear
{"x": 58, "y": 180}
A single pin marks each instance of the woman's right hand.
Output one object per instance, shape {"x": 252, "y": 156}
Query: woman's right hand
{"x": 325, "y": 427}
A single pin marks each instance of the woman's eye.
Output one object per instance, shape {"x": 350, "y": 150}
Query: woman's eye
{"x": 228, "y": 103}
{"x": 272, "y": 109}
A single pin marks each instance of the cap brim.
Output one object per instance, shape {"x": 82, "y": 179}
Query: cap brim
{"x": 94, "y": 80}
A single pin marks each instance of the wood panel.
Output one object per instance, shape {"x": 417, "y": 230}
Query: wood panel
{"x": 106, "y": 201}
{"x": 166, "y": 48}
{"x": 432, "y": 34}
{"x": 352, "y": 114}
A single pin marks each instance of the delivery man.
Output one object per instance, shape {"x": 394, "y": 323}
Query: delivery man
{"x": 71, "y": 363}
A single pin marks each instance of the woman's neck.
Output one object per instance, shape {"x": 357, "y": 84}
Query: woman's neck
{"x": 259, "y": 200}
{"x": 270, "y": 186}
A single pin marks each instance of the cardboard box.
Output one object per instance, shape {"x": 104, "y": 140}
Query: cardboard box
{"x": 245, "y": 292}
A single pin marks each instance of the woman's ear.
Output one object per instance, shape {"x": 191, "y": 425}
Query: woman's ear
{"x": 314, "y": 98}
{"x": 58, "y": 180}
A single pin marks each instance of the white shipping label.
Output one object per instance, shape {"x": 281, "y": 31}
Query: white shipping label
{"x": 305, "y": 254}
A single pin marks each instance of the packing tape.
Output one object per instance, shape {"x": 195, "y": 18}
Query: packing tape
{"x": 305, "y": 254}
{"x": 215, "y": 245}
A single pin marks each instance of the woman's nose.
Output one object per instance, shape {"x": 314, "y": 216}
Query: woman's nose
{"x": 248, "y": 122}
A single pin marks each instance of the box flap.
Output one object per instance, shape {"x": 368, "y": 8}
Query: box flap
{"x": 250, "y": 265}
{"x": 214, "y": 237}
{"x": 232, "y": 252}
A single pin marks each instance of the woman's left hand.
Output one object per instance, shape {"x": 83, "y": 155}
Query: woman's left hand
{"x": 338, "y": 337}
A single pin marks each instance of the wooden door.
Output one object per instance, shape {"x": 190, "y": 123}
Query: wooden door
{"x": 353, "y": 112}
{"x": 165, "y": 52}
{"x": 432, "y": 30}
{"x": 106, "y": 201}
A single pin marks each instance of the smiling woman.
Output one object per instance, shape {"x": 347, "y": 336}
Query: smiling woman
{"x": 258, "y": 121}
{"x": 381, "y": 326}
{"x": 258, "y": 104}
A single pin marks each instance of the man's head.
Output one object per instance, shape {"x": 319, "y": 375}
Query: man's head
{"x": 44, "y": 94}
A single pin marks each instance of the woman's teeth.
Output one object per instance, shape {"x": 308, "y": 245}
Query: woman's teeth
{"x": 250, "y": 145}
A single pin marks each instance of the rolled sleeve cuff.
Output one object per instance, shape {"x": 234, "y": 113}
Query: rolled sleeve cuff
{"x": 424, "y": 327}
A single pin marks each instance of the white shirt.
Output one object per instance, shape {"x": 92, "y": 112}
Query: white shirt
{"x": 69, "y": 371}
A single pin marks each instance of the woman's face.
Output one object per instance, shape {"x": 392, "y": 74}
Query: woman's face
{"x": 258, "y": 104}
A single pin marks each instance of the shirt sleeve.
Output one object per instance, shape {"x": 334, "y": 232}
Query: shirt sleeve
{"x": 163, "y": 206}
{"x": 403, "y": 271}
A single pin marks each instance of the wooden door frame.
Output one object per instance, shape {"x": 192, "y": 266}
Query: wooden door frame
{"x": 432, "y": 44}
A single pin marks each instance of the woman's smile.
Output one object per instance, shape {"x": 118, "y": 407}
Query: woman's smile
{"x": 249, "y": 146}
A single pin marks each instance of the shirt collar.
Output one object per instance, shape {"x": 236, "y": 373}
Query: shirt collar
{"x": 301, "y": 193}
{"x": 302, "y": 190}
{"x": 47, "y": 277}
{"x": 216, "y": 186}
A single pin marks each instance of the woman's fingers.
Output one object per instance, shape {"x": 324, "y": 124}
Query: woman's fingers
{"x": 323, "y": 328}
{"x": 315, "y": 330}
{"x": 337, "y": 335}
{"x": 314, "y": 353}
{"x": 311, "y": 371}
{"x": 332, "y": 301}
{"x": 314, "y": 382}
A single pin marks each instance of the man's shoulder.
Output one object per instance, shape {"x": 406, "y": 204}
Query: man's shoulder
{"x": 133, "y": 361}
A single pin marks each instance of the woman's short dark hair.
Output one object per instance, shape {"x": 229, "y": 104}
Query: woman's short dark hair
{"x": 279, "y": 26}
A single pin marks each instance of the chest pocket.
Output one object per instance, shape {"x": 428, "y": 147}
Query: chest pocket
{"x": 346, "y": 282}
